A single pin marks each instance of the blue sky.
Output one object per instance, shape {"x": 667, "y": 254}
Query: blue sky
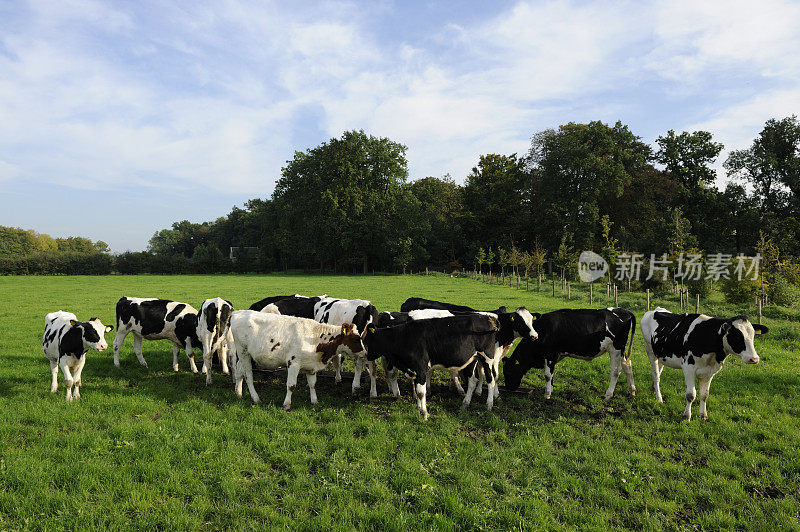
{"x": 118, "y": 118}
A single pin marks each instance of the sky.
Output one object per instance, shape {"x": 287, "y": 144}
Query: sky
{"x": 119, "y": 118}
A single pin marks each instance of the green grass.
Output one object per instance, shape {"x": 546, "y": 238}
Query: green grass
{"x": 152, "y": 449}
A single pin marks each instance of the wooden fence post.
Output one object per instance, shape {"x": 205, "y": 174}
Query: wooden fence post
{"x": 554, "y": 286}
{"x": 616, "y": 304}
{"x": 648, "y": 299}
{"x": 569, "y": 291}
{"x": 591, "y": 293}
{"x": 697, "y": 304}
{"x": 759, "y": 312}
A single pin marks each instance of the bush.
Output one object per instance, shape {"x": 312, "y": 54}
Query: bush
{"x": 57, "y": 263}
{"x": 132, "y": 262}
{"x": 700, "y": 286}
{"x": 738, "y": 292}
{"x": 782, "y": 292}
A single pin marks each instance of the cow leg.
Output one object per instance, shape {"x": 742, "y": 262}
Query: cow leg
{"x": 247, "y": 368}
{"x": 311, "y": 379}
{"x": 615, "y": 362}
{"x": 471, "y": 384}
{"x": 391, "y": 378}
{"x": 76, "y": 394}
{"x": 549, "y": 371}
{"x": 419, "y": 393}
{"x": 190, "y": 355}
{"x": 291, "y": 381}
{"x": 689, "y": 375}
{"x": 223, "y": 357}
{"x": 705, "y": 388}
{"x": 137, "y": 348}
{"x": 358, "y": 367}
{"x": 337, "y": 365}
{"x": 628, "y": 369}
{"x": 655, "y": 370}
{"x": 68, "y": 381}
{"x": 119, "y": 339}
{"x": 490, "y": 383}
{"x": 54, "y": 375}
{"x": 176, "y": 349}
{"x": 372, "y": 369}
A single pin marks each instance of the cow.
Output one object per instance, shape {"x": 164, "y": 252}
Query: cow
{"x": 451, "y": 343}
{"x": 359, "y": 313}
{"x": 65, "y": 344}
{"x": 212, "y": 328}
{"x": 512, "y": 325}
{"x": 299, "y": 344}
{"x": 419, "y": 303}
{"x": 697, "y": 344}
{"x": 575, "y": 333}
{"x": 157, "y": 319}
{"x": 296, "y": 305}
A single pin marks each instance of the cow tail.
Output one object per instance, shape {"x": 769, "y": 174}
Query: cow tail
{"x": 119, "y": 311}
{"x": 633, "y": 332}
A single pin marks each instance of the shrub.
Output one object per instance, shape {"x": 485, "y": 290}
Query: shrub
{"x": 782, "y": 292}
{"x": 737, "y": 292}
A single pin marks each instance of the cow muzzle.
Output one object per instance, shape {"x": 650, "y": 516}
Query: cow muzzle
{"x": 754, "y": 360}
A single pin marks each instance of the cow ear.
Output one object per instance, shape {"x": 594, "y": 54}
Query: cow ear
{"x": 726, "y": 327}
{"x": 73, "y": 322}
{"x": 760, "y": 329}
{"x": 536, "y": 315}
{"x": 109, "y": 328}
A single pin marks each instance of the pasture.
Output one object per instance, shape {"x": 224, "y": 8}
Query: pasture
{"x": 148, "y": 448}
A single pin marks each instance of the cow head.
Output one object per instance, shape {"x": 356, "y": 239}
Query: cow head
{"x": 350, "y": 340}
{"x": 737, "y": 338}
{"x": 522, "y": 323}
{"x": 93, "y": 333}
{"x": 526, "y": 355}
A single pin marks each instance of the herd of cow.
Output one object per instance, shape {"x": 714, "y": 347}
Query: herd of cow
{"x": 306, "y": 334}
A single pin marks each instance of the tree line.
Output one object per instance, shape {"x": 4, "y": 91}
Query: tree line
{"x": 348, "y": 206}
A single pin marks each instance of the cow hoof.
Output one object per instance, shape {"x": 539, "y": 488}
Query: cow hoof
{"x": 660, "y": 400}
{"x": 116, "y": 363}
{"x": 633, "y": 392}
{"x": 226, "y": 371}
{"x": 704, "y": 417}
{"x": 204, "y": 370}
{"x": 607, "y": 398}
{"x": 687, "y": 417}
{"x": 356, "y": 391}
{"x": 288, "y": 407}
{"x": 464, "y": 406}
{"x": 174, "y": 367}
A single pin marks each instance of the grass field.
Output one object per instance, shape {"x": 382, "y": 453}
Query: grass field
{"x": 152, "y": 449}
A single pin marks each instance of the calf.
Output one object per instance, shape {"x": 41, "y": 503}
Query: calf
{"x": 512, "y": 325}
{"x": 697, "y": 344}
{"x": 419, "y": 303}
{"x": 575, "y": 333}
{"x": 451, "y": 343}
{"x": 273, "y": 341}
{"x": 212, "y": 327}
{"x": 359, "y": 313}
{"x": 65, "y": 343}
{"x": 157, "y": 319}
{"x": 296, "y": 305}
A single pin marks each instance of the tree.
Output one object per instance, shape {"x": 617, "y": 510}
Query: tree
{"x": 480, "y": 258}
{"x": 771, "y": 165}
{"x": 688, "y": 156}
{"x": 339, "y": 202}
{"x": 442, "y": 207}
{"x": 575, "y": 172}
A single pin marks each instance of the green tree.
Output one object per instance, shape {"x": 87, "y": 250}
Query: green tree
{"x": 688, "y": 157}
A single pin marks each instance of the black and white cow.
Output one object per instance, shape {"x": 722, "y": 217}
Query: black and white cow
{"x": 451, "y": 343}
{"x": 157, "y": 319}
{"x": 360, "y": 313}
{"x": 575, "y": 333}
{"x": 512, "y": 325}
{"x": 697, "y": 344}
{"x": 212, "y": 327}
{"x": 419, "y": 303}
{"x": 65, "y": 343}
{"x": 296, "y": 305}
{"x": 274, "y": 341}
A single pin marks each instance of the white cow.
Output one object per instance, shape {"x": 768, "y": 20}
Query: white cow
{"x": 65, "y": 343}
{"x": 274, "y": 341}
{"x": 212, "y": 328}
{"x": 360, "y": 313}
